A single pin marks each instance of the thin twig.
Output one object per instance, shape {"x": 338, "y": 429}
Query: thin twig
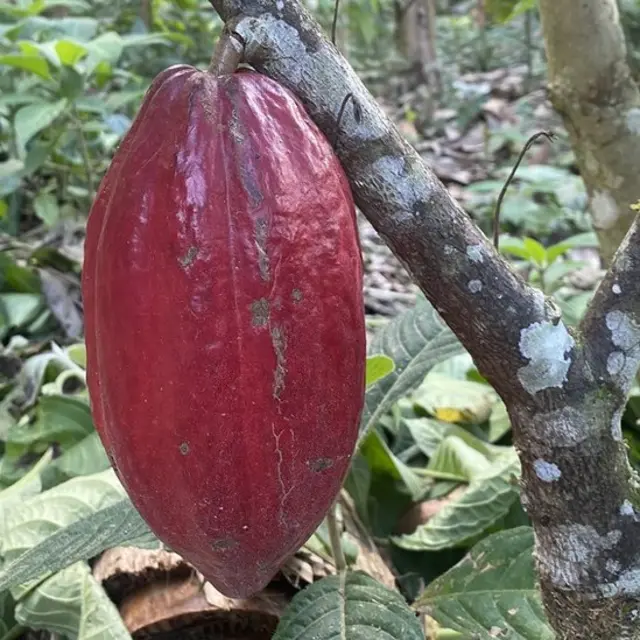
{"x": 356, "y": 115}
{"x": 496, "y": 216}
{"x": 84, "y": 150}
{"x": 334, "y": 25}
{"x": 335, "y": 538}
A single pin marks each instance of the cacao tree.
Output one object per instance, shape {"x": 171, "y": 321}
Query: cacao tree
{"x": 564, "y": 389}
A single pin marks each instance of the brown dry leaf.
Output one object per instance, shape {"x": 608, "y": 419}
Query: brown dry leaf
{"x": 161, "y": 596}
{"x": 189, "y": 608}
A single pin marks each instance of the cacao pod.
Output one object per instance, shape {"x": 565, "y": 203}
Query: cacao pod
{"x": 224, "y": 318}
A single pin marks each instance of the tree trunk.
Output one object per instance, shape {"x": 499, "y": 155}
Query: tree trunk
{"x": 565, "y": 390}
{"x": 590, "y": 84}
{"x": 416, "y": 26}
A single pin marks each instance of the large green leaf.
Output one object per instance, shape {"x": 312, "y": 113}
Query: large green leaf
{"x": 381, "y": 460}
{"x": 72, "y": 603}
{"x": 60, "y": 420}
{"x": 74, "y": 521}
{"x": 349, "y": 606}
{"x": 27, "y": 62}
{"x": 429, "y": 433}
{"x": 21, "y": 308}
{"x": 29, "y": 485}
{"x": 492, "y": 592}
{"x": 487, "y": 499}
{"x": 415, "y": 341}
{"x": 33, "y": 118}
{"x": 454, "y": 400}
{"x": 454, "y": 459}
{"x": 86, "y": 457}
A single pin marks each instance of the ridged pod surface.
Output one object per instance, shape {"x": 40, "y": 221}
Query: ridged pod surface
{"x": 224, "y": 318}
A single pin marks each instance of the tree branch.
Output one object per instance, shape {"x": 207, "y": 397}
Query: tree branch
{"x": 611, "y": 326}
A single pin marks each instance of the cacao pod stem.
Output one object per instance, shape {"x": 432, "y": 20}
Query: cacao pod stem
{"x": 227, "y": 54}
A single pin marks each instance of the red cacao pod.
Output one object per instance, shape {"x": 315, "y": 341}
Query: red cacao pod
{"x": 224, "y": 317}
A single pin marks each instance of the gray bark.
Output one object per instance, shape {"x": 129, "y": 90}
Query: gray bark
{"x": 565, "y": 390}
{"x": 591, "y": 86}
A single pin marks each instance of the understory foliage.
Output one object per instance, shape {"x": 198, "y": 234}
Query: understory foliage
{"x": 435, "y": 437}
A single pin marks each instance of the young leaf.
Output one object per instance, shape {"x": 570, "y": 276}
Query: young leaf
{"x": 492, "y": 592}
{"x": 33, "y": 118}
{"x": 46, "y": 208}
{"x": 32, "y": 63}
{"x": 415, "y": 341}
{"x": 349, "y": 606}
{"x": 588, "y": 239}
{"x": 377, "y": 368}
{"x": 537, "y": 252}
{"x": 488, "y": 498}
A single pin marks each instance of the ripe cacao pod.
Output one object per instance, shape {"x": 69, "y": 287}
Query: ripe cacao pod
{"x": 224, "y": 318}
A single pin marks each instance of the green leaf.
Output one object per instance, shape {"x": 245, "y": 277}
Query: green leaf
{"x": 499, "y": 422}
{"x": 46, "y": 208}
{"x": 21, "y": 308}
{"x": 537, "y": 252}
{"x": 492, "y": 592}
{"x": 455, "y": 400}
{"x": 73, "y": 603}
{"x": 487, "y": 499}
{"x": 514, "y": 246}
{"x": 349, "y": 606}
{"x": 60, "y": 420}
{"x": 573, "y": 307}
{"x": 77, "y": 353}
{"x": 16, "y": 278}
{"x": 415, "y": 341}
{"x": 80, "y": 29}
{"x": 588, "y": 239}
{"x": 377, "y": 368}
{"x": 27, "y": 62}
{"x": 454, "y": 459}
{"x": 69, "y": 52}
{"x": 86, "y": 457}
{"x": 428, "y": 434}
{"x": 358, "y": 483}
{"x": 74, "y": 521}
{"x": 381, "y": 460}
{"x": 145, "y": 39}
{"x": 33, "y": 118}
{"x": 107, "y": 47}
{"x": 29, "y": 485}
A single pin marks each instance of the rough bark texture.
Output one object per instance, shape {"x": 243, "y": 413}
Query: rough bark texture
{"x": 565, "y": 390}
{"x": 590, "y": 84}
